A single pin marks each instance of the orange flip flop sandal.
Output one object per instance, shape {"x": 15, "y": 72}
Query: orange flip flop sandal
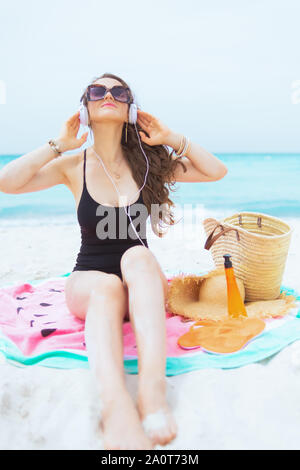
{"x": 221, "y": 337}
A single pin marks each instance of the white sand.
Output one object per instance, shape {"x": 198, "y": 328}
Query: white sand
{"x": 252, "y": 407}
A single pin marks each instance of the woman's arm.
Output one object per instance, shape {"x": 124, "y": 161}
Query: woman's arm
{"x": 33, "y": 171}
{"x": 201, "y": 165}
{"x": 41, "y": 169}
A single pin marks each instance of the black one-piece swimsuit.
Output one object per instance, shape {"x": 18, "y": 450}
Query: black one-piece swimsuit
{"x": 104, "y": 254}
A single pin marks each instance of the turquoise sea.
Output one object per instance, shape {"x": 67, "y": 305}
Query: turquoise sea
{"x": 265, "y": 182}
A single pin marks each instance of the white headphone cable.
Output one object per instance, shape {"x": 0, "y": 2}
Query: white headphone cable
{"x": 127, "y": 213}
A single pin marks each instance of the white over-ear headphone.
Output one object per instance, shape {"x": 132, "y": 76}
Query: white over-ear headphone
{"x": 84, "y": 117}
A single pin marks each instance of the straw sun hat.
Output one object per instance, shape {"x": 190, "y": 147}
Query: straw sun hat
{"x": 204, "y": 297}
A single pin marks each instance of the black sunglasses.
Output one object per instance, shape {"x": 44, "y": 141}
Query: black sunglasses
{"x": 98, "y": 92}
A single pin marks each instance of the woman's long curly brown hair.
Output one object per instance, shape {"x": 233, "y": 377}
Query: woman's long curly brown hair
{"x": 160, "y": 178}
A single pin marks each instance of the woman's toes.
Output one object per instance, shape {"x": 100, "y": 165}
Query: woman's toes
{"x": 160, "y": 427}
{"x": 162, "y": 436}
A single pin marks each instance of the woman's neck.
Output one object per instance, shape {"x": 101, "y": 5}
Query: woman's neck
{"x": 107, "y": 142}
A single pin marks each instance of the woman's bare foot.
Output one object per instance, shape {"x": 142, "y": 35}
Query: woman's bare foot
{"x": 155, "y": 413}
{"x": 121, "y": 425}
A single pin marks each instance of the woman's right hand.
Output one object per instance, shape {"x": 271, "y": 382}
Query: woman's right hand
{"x": 67, "y": 139}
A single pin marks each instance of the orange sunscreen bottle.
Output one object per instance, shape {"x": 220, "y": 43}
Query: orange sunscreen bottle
{"x": 236, "y": 307}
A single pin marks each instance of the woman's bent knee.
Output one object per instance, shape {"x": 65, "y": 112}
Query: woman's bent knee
{"x": 137, "y": 258}
{"x": 111, "y": 290}
{"x": 89, "y": 286}
{"x": 110, "y": 285}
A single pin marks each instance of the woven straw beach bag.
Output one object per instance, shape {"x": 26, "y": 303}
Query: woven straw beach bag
{"x": 258, "y": 244}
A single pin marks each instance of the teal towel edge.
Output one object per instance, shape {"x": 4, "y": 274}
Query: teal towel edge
{"x": 266, "y": 345}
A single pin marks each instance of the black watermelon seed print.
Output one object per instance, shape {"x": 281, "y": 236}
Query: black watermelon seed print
{"x": 31, "y": 322}
{"x": 43, "y": 304}
{"x": 21, "y": 298}
{"x": 49, "y": 322}
{"x": 40, "y": 314}
{"x": 54, "y": 290}
{"x": 19, "y": 308}
{"x": 47, "y": 331}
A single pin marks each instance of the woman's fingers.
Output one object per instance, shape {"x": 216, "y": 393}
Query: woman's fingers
{"x": 143, "y": 113}
{"x": 73, "y": 118}
{"x": 75, "y": 125}
{"x": 145, "y": 116}
{"x": 144, "y": 120}
{"x": 143, "y": 125}
{"x": 83, "y": 138}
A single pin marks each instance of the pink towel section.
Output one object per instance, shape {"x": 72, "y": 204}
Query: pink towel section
{"x": 37, "y": 320}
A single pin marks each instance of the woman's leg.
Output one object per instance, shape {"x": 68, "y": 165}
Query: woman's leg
{"x": 102, "y": 300}
{"x": 147, "y": 292}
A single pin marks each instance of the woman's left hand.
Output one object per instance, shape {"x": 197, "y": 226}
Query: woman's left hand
{"x": 155, "y": 128}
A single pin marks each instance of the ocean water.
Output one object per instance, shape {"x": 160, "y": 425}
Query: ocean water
{"x": 266, "y": 182}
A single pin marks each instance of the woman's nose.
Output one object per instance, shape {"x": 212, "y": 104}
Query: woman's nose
{"x": 109, "y": 96}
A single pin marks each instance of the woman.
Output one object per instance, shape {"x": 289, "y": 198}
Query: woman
{"x": 118, "y": 278}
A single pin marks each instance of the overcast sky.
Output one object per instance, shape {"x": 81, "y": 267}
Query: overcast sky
{"x": 219, "y": 71}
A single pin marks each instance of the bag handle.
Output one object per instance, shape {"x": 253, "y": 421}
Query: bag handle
{"x": 212, "y": 238}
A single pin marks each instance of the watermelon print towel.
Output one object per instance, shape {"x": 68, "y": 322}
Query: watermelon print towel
{"x": 36, "y": 327}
